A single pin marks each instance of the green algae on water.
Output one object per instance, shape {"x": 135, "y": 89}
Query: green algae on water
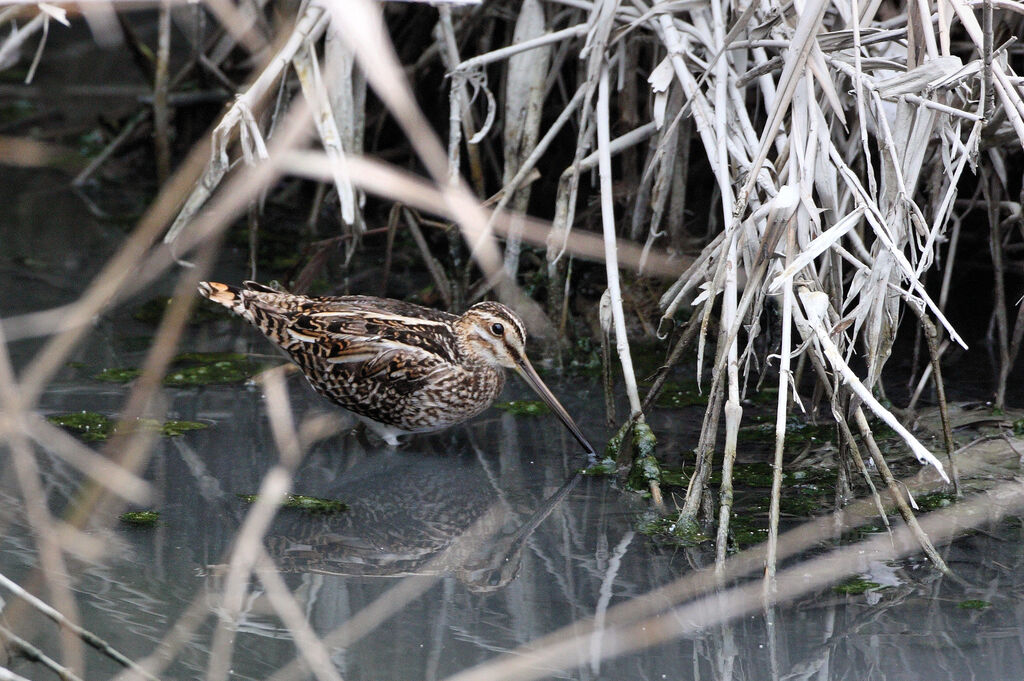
{"x": 523, "y": 407}
{"x": 798, "y": 432}
{"x": 304, "y": 503}
{"x": 973, "y": 605}
{"x": 936, "y": 500}
{"x": 176, "y": 428}
{"x": 675, "y": 477}
{"x": 89, "y": 426}
{"x": 857, "y": 585}
{"x": 117, "y": 375}
{"x": 197, "y": 368}
{"x": 140, "y": 518}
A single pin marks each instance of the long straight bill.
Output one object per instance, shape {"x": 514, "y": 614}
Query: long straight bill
{"x": 529, "y": 374}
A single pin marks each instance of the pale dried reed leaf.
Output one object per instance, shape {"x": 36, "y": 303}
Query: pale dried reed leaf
{"x": 308, "y": 69}
{"x": 659, "y": 80}
{"x": 816, "y": 247}
{"x": 346, "y": 90}
{"x": 57, "y": 13}
{"x": 102, "y": 19}
{"x": 918, "y": 79}
{"x": 824, "y": 81}
{"x": 524, "y": 100}
{"x": 785, "y": 204}
{"x": 918, "y": 136}
{"x": 971, "y": 68}
{"x": 10, "y": 47}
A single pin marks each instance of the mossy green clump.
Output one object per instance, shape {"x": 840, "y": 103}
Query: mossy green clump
{"x": 89, "y": 144}
{"x": 973, "y": 605}
{"x": 935, "y": 500}
{"x": 208, "y": 368}
{"x": 805, "y": 491}
{"x": 14, "y": 109}
{"x": 646, "y": 468}
{"x": 152, "y": 311}
{"x": 86, "y": 425}
{"x": 611, "y": 450}
{"x": 523, "y": 407}
{"x": 117, "y": 375}
{"x": 605, "y": 466}
{"x": 304, "y": 503}
{"x": 857, "y": 585}
{"x": 140, "y": 518}
{"x": 671, "y": 531}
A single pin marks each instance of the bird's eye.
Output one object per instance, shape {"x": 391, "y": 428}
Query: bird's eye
{"x": 497, "y": 329}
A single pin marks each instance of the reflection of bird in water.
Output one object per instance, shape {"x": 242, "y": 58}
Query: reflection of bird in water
{"x": 412, "y": 515}
{"x": 400, "y": 367}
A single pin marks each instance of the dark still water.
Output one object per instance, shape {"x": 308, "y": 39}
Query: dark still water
{"x": 454, "y": 549}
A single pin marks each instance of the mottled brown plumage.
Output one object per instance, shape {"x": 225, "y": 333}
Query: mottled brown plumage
{"x": 400, "y": 367}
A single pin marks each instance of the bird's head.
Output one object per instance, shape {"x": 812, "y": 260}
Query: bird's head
{"x": 492, "y": 334}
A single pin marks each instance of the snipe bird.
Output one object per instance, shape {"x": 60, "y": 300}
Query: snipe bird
{"x": 399, "y": 367}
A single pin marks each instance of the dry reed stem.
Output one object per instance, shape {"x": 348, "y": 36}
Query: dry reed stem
{"x": 610, "y": 254}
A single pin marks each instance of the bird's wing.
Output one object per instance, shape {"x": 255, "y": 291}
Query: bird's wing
{"x": 404, "y": 352}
